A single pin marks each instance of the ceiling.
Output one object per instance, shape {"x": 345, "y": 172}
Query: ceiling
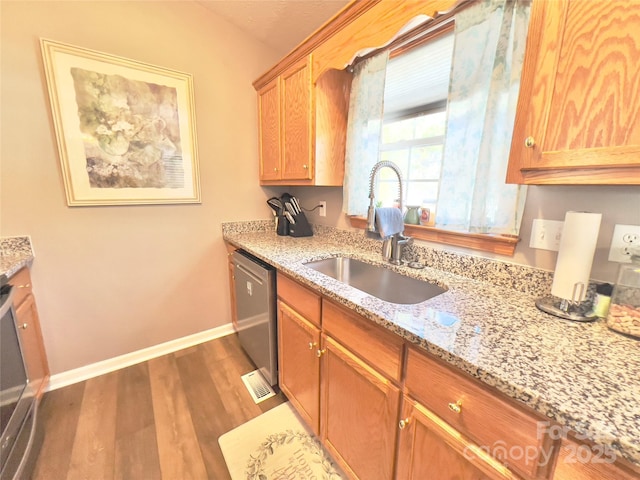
{"x": 281, "y": 24}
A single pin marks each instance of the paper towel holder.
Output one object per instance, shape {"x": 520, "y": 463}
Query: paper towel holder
{"x": 571, "y": 276}
{"x": 568, "y": 309}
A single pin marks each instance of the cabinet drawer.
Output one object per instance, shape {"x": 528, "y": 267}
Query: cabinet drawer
{"x": 508, "y": 433}
{"x": 379, "y": 347}
{"x": 22, "y": 283}
{"x": 301, "y": 299}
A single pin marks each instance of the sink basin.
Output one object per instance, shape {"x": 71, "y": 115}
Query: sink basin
{"x": 378, "y": 281}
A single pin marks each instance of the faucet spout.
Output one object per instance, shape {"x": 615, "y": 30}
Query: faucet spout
{"x": 371, "y": 213}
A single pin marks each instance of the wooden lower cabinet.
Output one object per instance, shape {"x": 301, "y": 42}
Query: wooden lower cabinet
{"x": 385, "y": 410}
{"x": 513, "y": 435}
{"x": 30, "y": 333}
{"x": 429, "y": 448}
{"x": 359, "y": 408}
{"x": 232, "y": 290}
{"x": 32, "y": 344}
{"x": 299, "y": 364}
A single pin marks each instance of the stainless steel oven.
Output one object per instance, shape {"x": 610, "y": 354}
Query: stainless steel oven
{"x": 17, "y": 400}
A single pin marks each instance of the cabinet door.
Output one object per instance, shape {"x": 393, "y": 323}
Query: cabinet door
{"x": 359, "y": 412}
{"x": 297, "y": 108}
{"x": 269, "y": 131}
{"x": 578, "y": 115}
{"x": 299, "y": 364}
{"x": 429, "y": 448}
{"x": 32, "y": 344}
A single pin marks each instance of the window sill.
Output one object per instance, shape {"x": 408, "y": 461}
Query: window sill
{"x": 500, "y": 244}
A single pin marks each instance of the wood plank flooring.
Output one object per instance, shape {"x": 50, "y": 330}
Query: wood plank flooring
{"x": 159, "y": 419}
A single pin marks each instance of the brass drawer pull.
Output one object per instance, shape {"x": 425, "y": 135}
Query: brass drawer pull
{"x": 456, "y": 407}
{"x": 403, "y": 423}
{"x": 28, "y": 285}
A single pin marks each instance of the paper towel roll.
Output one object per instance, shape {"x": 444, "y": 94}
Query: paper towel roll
{"x": 575, "y": 257}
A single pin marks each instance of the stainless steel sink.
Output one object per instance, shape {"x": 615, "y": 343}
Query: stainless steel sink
{"x": 376, "y": 280}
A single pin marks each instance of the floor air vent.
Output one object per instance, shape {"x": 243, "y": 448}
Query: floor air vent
{"x": 258, "y": 387}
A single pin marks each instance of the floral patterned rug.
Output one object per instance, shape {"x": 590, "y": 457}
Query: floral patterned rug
{"x": 276, "y": 446}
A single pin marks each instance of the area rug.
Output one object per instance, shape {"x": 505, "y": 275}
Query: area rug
{"x": 276, "y": 446}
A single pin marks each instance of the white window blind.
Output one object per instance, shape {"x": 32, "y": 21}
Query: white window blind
{"x": 418, "y": 78}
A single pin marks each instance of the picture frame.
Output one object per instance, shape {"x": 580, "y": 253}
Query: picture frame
{"x": 125, "y": 129}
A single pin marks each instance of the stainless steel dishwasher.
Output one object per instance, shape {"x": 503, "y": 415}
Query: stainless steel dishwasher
{"x": 255, "y": 289}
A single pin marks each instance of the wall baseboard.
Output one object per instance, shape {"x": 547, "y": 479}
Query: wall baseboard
{"x": 80, "y": 374}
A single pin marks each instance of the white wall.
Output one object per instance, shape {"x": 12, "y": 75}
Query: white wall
{"x": 111, "y": 280}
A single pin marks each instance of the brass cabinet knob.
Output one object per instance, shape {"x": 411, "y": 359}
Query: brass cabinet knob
{"x": 403, "y": 423}
{"x": 529, "y": 142}
{"x": 319, "y": 353}
{"x": 24, "y": 326}
{"x": 275, "y": 169}
{"x": 312, "y": 345}
{"x": 305, "y": 167}
{"x": 456, "y": 407}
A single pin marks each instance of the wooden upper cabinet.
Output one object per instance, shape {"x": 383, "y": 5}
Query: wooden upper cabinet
{"x": 578, "y": 115}
{"x": 269, "y": 130}
{"x": 304, "y": 98}
{"x": 297, "y": 111}
{"x": 302, "y": 127}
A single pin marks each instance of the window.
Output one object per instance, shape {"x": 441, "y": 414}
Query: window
{"x": 446, "y": 121}
{"x": 415, "y": 144}
{"x": 413, "y": 132}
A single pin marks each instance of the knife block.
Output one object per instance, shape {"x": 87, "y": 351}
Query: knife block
{"x": 301, "y": 228}
{"x": 282, "y": 226}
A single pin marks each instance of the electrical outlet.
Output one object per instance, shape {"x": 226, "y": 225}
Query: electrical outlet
{"x": 322, "y": 211}
{"x": 624, "y": 238}
{"x": 546, "y": 234}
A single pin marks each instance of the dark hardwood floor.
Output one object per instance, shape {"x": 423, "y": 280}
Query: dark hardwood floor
{"x": 159, "y": 419}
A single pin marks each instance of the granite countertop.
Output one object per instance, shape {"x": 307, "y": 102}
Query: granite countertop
{"x": 582, "y": 375}
{"x": 15, "y": 253}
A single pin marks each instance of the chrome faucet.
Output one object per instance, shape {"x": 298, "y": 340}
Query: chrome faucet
{"x": 393, "y": 245}
{"x": 371, "y": 213}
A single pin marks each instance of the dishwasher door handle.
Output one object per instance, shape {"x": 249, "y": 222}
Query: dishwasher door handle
{"x": 248, "y": 272}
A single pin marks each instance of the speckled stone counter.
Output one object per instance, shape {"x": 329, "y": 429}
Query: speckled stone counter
{"x": 15, "y": 253}
{"x": 583, "y": 376}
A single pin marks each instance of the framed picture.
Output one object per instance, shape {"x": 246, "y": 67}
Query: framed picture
{"x": 125, "y": 129}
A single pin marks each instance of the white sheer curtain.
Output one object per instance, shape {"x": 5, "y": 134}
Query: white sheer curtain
{"x": 490, "y": 39}
{"x": 363, "y": 131}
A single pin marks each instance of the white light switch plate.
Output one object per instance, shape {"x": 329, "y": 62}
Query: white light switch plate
{"x": 624, "y": 237}
{"x": 546, "y": 234}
